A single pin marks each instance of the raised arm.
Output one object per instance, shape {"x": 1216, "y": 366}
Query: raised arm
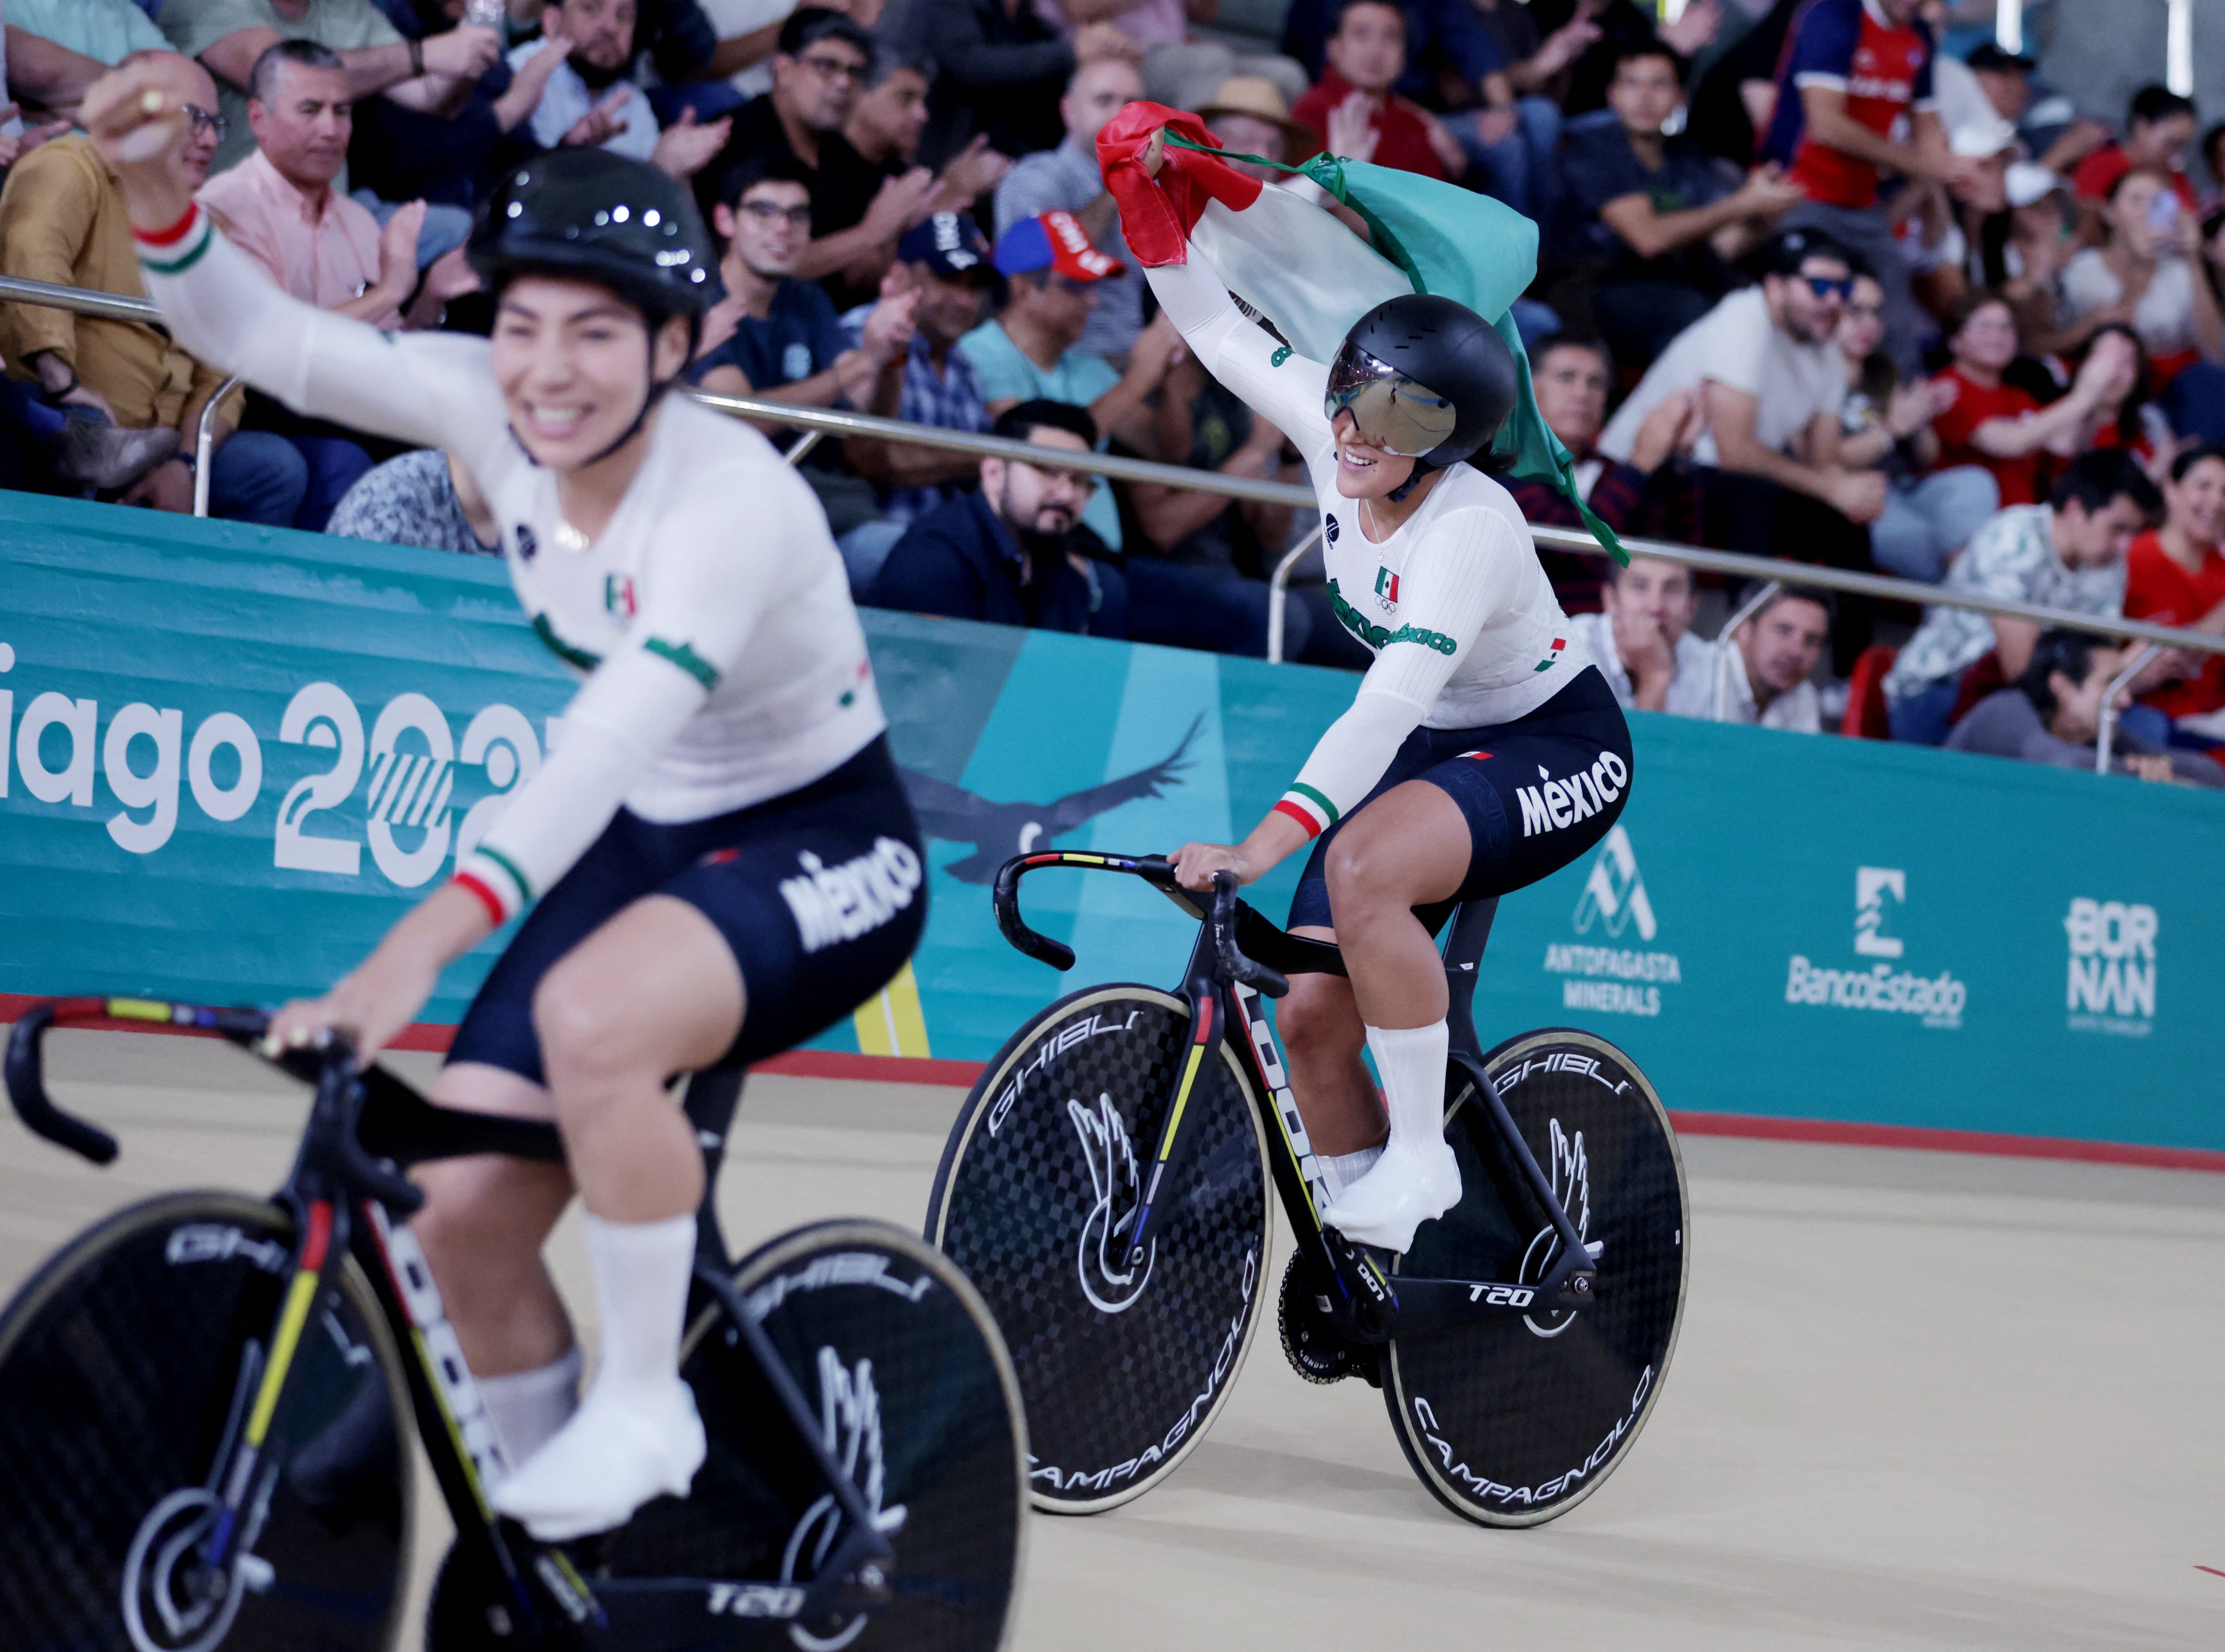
{"x": 1284, "y": 387}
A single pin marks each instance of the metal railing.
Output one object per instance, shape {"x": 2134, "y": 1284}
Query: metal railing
{"x": 830, "y": 421}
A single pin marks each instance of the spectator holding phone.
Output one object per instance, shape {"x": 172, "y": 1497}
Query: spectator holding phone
{"x": 2150, "y": 274}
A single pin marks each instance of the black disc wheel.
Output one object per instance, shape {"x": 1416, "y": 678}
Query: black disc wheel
{"x": 1124, "y": 1368}
{"x": 127, "y": 1366}
{"x": 898, "y": 1359}
{"x": 1513, "y": 1421}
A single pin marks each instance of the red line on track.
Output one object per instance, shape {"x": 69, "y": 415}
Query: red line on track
{"x": 923, "y": 1070}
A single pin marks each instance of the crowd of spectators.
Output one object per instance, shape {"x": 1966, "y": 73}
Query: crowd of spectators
{"x": 1811, "y": 285}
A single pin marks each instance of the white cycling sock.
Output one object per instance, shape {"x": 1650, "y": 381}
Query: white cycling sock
{"x": 642, "y": 1270}
{"x": 1411, "y": 1061}
{"x": 526, "y": 1407}
{"x": 1340, "y": 1170}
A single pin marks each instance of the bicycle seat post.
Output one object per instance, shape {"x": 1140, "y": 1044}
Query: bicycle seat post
{"x": 1464, "y": 945}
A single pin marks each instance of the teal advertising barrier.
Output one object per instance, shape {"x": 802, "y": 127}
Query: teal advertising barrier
{"x": 228, "y": 758}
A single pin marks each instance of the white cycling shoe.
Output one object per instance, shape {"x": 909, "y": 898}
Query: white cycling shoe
{"x": 1407, "y": 1186}
{"x": 615, "y": 1454}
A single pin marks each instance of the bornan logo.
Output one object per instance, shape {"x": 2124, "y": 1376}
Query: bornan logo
{"x": 2113, "y": 967}
{"x": 1613, "y": 979}
{"x": 1938, "y": 1000}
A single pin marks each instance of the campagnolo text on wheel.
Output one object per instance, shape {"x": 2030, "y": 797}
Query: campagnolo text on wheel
{"x": 1504, "y": 1253}
{"x": 717, "y": 862}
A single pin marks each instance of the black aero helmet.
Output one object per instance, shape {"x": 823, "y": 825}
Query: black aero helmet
{"x": 595, "y": 216}
{"x": 1424, "y": 378}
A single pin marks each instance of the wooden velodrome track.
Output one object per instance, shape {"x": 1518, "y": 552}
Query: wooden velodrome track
{"x": 1922, "y": 1400}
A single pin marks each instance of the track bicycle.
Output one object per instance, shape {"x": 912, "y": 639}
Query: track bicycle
{"x": 1104, "y": 1188}
{"x": 203, "y": 1399}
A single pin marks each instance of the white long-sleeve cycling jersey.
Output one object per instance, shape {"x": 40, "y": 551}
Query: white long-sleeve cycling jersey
{"x": 712, "y": 618}
{"x": 1463, "y": 623}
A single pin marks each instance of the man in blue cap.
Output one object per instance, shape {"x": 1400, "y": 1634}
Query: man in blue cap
{"x": 945, "y": 261}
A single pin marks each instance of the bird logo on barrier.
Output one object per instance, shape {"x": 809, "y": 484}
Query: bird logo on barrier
{"x": 998, "y": 831}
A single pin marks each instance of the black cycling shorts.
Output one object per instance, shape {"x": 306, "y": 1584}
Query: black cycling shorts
{"x": 821, "y": 894}
{"x": 1536, "y": 793}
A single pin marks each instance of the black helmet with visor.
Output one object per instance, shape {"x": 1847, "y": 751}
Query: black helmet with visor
{"x": 1424, "y": 378}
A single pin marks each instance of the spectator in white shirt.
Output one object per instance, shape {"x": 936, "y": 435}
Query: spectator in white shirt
{"x": 1770, "y": 377}
{"x": 1767, "y": 666}
{"x": 1643, "y": 644}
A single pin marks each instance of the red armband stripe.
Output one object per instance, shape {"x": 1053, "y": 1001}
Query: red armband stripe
{"x": 1286, "y": 807}
{"x": 487, "y": 897}
{"x": 172, "y": 236}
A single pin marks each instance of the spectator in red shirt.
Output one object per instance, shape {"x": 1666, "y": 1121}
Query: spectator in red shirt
{"x": 2003, "y": 428}
{"x": 1367, "y": 55}
{"x": 1853, "y": 70}
{"x": 2159, "y": 127}
{"x": 2175, "y": 576}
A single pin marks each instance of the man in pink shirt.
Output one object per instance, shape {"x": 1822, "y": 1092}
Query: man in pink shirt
{"x": 279, "y": 207}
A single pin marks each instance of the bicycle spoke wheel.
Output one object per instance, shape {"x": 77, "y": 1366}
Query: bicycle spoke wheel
{"x": 1123, "y": 1370}
{"x": 903, "y": 1365}
{"x": 125, "y": 1365}
{"x": 1512, "y": 1421}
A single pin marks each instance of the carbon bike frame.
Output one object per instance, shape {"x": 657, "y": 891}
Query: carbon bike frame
{"x": 1239, "y": 956}
{"x": 346, "y": 1193}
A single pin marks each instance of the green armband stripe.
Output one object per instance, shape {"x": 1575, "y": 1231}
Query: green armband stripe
{"x": 579, "y": 658}
{"x": 1316, "y": 799}
{"x": 525, "y": 884}
{"x": 685, "y": 658}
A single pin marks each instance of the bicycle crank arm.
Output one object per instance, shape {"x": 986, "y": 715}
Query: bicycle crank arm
{"x": 1426, "y": 1305}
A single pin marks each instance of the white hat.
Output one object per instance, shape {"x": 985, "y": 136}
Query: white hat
{"x": 1983, "y": 138}
{"x": 2028, "y": 183}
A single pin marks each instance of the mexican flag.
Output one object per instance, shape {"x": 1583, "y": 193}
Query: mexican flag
{"x": 1312, "y": 277}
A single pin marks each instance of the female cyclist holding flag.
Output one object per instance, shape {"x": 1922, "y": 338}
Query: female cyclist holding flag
{"x": 1482, "y": 750}
{"x": 718, "y": 856}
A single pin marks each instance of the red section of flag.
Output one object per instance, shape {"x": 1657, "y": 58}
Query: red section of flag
{"x": 1157, "y": 214}
{"x": 1286, "y": 807}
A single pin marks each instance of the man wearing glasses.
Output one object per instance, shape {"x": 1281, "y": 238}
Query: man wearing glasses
{"x": 1006, "y": 553}
{"x": 787, "y": 343}
{"x": 62, "y": 220}
{"x": 1766, "y": 366}
{"x": 857, "y": 213}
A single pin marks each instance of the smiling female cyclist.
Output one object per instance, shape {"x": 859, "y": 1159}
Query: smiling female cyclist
{"x": 1411, "y": 799}
{"x": 718, "y": 855}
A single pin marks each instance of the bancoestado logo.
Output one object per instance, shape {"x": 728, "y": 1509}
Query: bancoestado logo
{"x": 1616, "y": 981}
{"x": 404, "y": 777}
{"x": 1938, "y": 1000}
{"x": 2113, "y": 967}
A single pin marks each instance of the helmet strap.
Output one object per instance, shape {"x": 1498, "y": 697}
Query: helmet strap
{"x": 1397, "y": 495}
{"x": 656, "y": 389}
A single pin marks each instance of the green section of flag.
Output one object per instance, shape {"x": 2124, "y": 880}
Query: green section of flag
{"x": 1327, "y": 809}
